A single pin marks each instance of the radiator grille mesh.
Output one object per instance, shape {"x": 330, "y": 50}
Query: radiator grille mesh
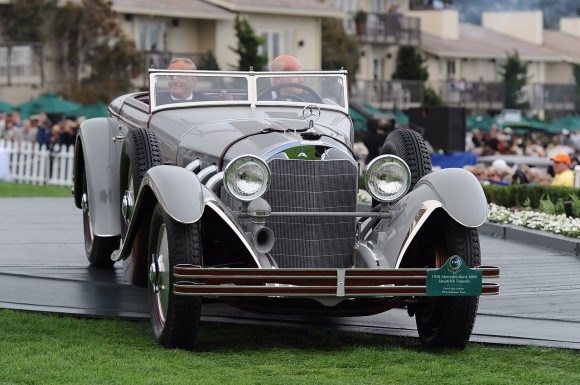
{"x": 313, "y": 242}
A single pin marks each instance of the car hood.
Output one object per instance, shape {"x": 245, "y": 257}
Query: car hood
{"x": 255, "y": 136}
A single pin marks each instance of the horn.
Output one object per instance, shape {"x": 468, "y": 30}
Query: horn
{"x": 264, "y": 239}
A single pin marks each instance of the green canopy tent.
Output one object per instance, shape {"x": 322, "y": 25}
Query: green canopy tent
{"x": 400, "y": 117}
{"x": 570, "y": 123}
{"x": 359, "y": 120}
{"x": 48, "y": 103}
{"x": 525, "y": 125}
{"x": 5, "y": 107}
{"x": 89, "y": 111}
{"x": 483, "y": 123}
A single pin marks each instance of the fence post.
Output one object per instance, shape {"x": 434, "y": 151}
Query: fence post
{"x": 4, "y": 162}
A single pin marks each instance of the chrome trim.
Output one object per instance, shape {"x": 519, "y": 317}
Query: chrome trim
{"x": 205, "y": 174}
{"x": 426, "y": 209}
{"x": 194, "y": 166}
{"x": 215, "y": 182}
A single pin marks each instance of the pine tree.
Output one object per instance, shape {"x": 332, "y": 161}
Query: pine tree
{"x": 247, "y": 48}
{"x": 515, "y": 76}
{"x": 410, "y": 65}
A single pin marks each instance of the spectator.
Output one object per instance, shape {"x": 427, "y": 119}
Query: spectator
{"x": 8, "y": 133}
{"x": 563, "y": 175}
{"x": 502, "y": 168}
{"x": 43, "y": 133}
{"x": 479, "y": 170}
{"x": 3, "y": 118}
{"x": 493, "y": 177}
{"x": 67, "y": 135}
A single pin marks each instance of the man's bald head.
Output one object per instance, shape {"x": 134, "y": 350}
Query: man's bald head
{"x": 286, "y": 63}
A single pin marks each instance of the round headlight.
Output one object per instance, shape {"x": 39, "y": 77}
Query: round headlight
{"x": 387, "y": 178}
{"x": 247, "y": 177}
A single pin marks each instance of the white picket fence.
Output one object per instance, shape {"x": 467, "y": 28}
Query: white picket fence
{"x": 25, "y": 162}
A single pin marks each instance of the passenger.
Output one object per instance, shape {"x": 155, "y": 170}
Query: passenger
{"x": 182, "y": 88}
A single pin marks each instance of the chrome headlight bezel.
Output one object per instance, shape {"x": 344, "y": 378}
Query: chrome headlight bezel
{"x": 381, "y": 178}
{"x": 233, "y": 182}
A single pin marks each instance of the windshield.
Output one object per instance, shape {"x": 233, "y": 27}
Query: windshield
{"x": 257, "y": 88}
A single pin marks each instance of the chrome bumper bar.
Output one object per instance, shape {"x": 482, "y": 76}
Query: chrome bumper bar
{"x": 348, "y": 283}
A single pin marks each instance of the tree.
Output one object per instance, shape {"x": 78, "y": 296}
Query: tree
{"x": 410, "y": 65}
{"x": 576, "y": 70}
{"x": 338, "y": 48}
{"x": 515, "y": 76}
{"x": 248, "y": 44}
{"x": 208, "y": 62}
{"x": 24, "y": 20}
{"x": 94, "y": 53}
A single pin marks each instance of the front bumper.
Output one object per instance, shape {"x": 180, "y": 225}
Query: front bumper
{"x": 193, "y": 280}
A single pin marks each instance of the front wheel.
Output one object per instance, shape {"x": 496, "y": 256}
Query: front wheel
{"x": 448, "y": 321}
{"x": 174, "y": 319}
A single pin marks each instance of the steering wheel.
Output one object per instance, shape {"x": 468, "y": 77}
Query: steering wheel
{"x": 268, "y": 92}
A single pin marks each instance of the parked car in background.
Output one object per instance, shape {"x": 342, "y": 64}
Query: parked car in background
{"x": 248, "y": 195}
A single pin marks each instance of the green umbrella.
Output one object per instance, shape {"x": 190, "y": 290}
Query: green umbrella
{"x": 526, "y": 125}
{"x": 97, "y": 110}
{"x": 570, "y": 123}
{"x": 5, "y": 107}
{"x": 49, "y": 103}
{"x": 483, "y": 123}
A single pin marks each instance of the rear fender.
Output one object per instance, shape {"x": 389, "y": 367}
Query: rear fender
{"x": 94, "y": 153}
{"x": 456, "y": 191}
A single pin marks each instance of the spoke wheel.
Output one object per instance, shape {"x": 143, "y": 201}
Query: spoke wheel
{"x": 448, "y": 321}
{"x": 174, "y": 319}
{"x": 98, "y": 249}
{"x": 140, "y": 153}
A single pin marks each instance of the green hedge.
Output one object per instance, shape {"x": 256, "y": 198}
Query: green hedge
{"x": 516, "y": 195}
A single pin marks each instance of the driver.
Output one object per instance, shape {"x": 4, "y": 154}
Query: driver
{"x": 288, "y": 63}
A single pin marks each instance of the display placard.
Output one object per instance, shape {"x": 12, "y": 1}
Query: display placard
{"x": 454, "y": 278}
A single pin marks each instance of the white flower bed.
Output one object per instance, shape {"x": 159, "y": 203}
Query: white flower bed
{"x": 557, "y": 224}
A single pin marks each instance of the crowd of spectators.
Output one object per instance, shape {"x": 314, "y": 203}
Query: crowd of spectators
{"x": 562, "y": 149}
{"x": 38, "y": 129}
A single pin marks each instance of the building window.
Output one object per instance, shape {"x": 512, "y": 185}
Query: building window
{"x": 450, "y": 68}
{"x": 19, "y": 59}
{"x": 275, "y": 44}
{"x": 151, "y": 36}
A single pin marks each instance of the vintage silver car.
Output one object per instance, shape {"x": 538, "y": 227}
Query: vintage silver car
{"x": 247, "y": 194}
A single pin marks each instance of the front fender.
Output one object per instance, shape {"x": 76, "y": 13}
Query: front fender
{"x": 177, "y": 190}
{"x": 102, "y": 176}
{"x": 456, "y": 191}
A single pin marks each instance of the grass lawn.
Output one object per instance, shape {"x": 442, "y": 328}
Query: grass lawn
{"x": 50, "y": 349}
{"x": 46, "y": 349}
{"x": 8, "y": 189}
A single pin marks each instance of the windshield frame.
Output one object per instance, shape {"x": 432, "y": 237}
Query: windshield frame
{"x": 252, "y": 78}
